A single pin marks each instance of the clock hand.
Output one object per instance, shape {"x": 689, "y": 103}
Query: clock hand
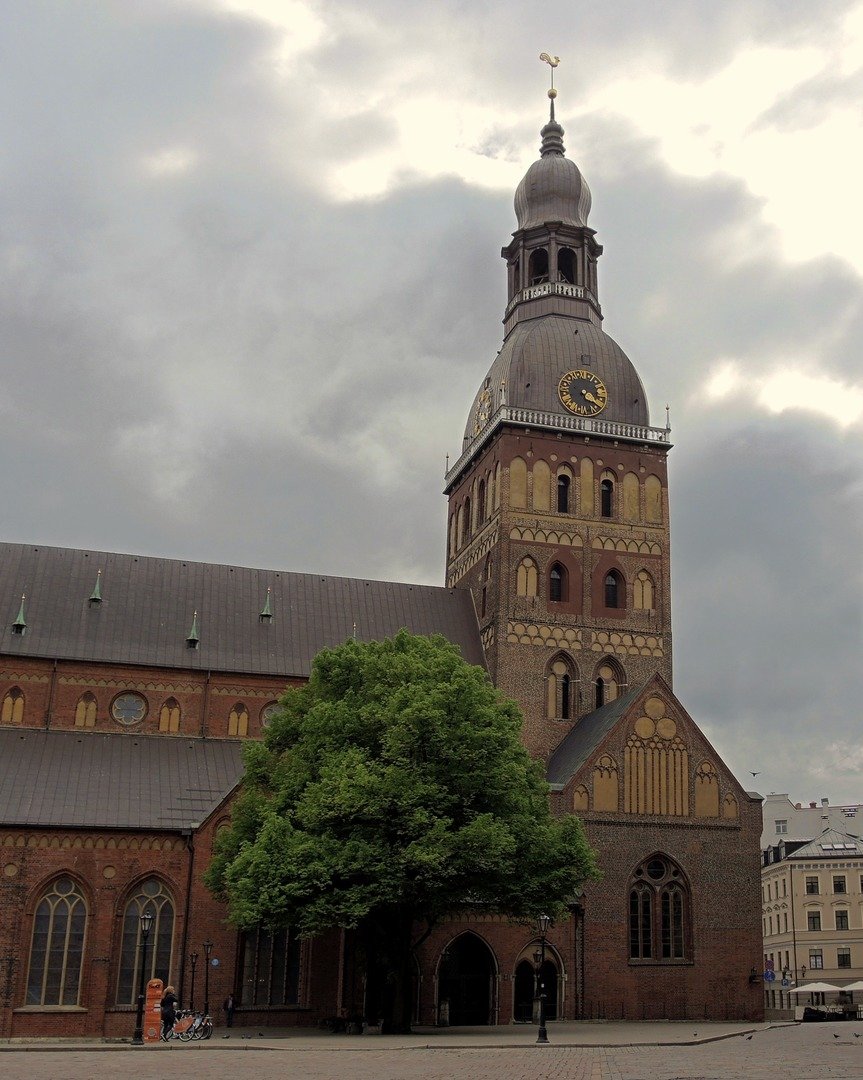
{"x": 594, "y": 401}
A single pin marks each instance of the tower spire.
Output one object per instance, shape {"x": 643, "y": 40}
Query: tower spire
{"x": 552, "y": 62}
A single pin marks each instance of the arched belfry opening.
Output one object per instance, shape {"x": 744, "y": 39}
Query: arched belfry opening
{"x": 566, "y": 266}
{"x": 537, "y": 267}
{"x": 467, "y": 982}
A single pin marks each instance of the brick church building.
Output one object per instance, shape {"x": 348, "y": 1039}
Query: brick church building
{"x": 128, "y": 685}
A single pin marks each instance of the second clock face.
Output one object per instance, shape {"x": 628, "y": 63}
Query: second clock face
{"x": 582, "y": 392}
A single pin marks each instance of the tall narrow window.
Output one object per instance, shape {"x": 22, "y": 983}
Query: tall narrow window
{"x": 57, "y": 946}
{"x": 561, "y": 689}
{"x": 269, "y": 967}
{"x": 563, "y": 483}
{"x": 468, "y": 520}
{"x": 613, "y": 588}
{"x": 606, "y": 498}
{"x": 610, "y": 681}
{"x": 480, "y": 503}
{"x": 640, "y": 923}
{"x": 13, "y": 707}
{"x": 154, "y": 897}
{"x": 566, "y": 696}
{"x": 527, "y": 578}
{"x": 643, "y": 591}
{"x": 169, "y": 716}
{"x": 558, "y": 583}
{"x": 238, "y": 721}
{"x": 85, "y": 711}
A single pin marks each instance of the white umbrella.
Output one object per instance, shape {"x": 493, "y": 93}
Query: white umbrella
{"x": 853, "y": 986}
{"x": 816, "y": 988}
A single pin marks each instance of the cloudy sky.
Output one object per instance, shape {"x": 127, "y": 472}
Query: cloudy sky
{"x": 250, "y": 280}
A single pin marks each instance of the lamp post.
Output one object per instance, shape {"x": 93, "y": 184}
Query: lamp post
{"x": 543, "y": 922}
{"x": 146, "y": 926}
{"x": 193, "y": 961}
{"x": 208, "y": 948}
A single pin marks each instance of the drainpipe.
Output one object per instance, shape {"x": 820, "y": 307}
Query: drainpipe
{"x": 206, "y": 706}
{"x": 189, "y": 836}
{"x": 50, "y": 705}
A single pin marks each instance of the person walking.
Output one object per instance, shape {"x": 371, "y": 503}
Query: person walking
{"x": 229, "y": 1010}
{"x": 169, "y": 1011}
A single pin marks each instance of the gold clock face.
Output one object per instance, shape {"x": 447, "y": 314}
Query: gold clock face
{"x": 483, "y": 412}
{"x": 582, "y": 392}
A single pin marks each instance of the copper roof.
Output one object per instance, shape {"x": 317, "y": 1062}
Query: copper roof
{"x": 147, "y": 607}
{"x": 527, "y": 371}
{"x": 83, "y": 780}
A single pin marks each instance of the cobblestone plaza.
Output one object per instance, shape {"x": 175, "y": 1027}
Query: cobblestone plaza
{"x": 810, "y": 1052}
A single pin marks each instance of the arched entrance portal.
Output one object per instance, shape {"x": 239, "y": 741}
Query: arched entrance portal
{"x": 466, "y": 982}
{"x": 525, "y": 1002}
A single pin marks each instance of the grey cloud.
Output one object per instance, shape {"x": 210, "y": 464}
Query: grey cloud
{"x": 301, "y": 368}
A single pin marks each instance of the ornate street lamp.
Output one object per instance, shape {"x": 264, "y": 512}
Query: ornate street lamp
{"x": 543, "y": 923}
{"x": 208, "y": 948}
{"x": 146, "y": 927}
{"x": 193, "y": 961}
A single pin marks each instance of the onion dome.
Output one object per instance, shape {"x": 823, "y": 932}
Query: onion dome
{"x": 553, "y": 188}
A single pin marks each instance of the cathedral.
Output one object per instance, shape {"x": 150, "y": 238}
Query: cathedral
{"x": 128, "y": 685}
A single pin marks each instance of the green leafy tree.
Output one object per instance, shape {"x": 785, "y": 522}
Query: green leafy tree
{"x": 393, "y": 791}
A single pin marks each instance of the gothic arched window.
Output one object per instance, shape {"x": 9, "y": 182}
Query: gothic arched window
{"x": 238, "y": 721}
{"x": 57, "y": 945}
{"x": 643, "y": 591}
{"x": 562, "y": 687}
{"x": 609, "y": 682}
{"x": 13, "y": 707}
{"x": 563, "y": 483}
{"x": 151, "y": 896}
{"x": 614, "y": 592}
{"x": 85, "y": 711}
{"x": 169, "y": 716}
{"x": 606, "y": 498}
{"x": 480, "y": 503}
{"x": 558, "y": 583}
{"x": 659, "y": 912}
{"x": 526, "y": 578}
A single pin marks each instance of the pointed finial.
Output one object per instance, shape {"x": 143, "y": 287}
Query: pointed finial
{"x": 96, "y": 594}
{"x": 355, "y": 631}
{"x": 194, "y": 638}
{"x": 20, "y": 624}
{"x": 667, "y": 418}
{"x": 552, "y": 62}
{"x": 447, "y": 464}
{"x": 266, "y": 610}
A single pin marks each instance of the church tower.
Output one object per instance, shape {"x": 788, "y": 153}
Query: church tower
{"x": 558, "y": 507}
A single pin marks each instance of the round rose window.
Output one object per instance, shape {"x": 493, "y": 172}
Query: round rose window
{"x": 129, "y": 709}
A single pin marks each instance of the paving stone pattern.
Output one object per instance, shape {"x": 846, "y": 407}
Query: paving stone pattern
{"x": 813, "y": 1052}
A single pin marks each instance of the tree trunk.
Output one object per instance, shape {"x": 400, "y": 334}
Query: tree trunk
{"x": 403, "y": 972}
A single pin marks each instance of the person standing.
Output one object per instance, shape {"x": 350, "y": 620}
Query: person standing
{"x": 169, "y": 1011}
{"x": 229, "y": 1010}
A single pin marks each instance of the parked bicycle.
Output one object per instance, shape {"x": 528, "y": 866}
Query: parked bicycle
{"x": 190, "y": 1027}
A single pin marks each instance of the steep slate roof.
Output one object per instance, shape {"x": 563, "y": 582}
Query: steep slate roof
{"x": 147, "y": 608}
{"x": 585, "y": 737}
{"x": 830, "y": 844}
{"x": 71, "y": 779}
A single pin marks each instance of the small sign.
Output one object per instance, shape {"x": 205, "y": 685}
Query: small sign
{"x": 786, "y": 982}
{"x": 769, "y": 975}
{"x": 215, "y": 962}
